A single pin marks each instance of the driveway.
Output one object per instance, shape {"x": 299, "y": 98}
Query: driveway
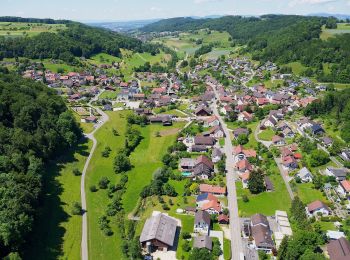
{"x": 220, "y": 236}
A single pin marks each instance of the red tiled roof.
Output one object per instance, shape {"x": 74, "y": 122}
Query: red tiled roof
{"x": 212, "y": 189}
{"x": 346, "y": 185}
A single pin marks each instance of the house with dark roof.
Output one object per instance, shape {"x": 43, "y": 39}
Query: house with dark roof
{"x": 158, "y": 232}
{"x": 261, "y": 233}
{"x": 339, "y": 173}
{"x": 202, "y": 140}
{"x": 240, "y": 131}
{"x": 203, "y": 111}
{"x": 201, "y": 222}
{"x": 203, "y": 242}
{"x": 339, "y": 249}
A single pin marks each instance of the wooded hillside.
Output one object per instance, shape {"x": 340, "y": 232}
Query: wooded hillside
{"x": 35, "y": 126}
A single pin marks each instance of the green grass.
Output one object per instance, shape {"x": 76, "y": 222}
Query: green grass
{"x": 267, "y": 202}
{"x": 297, "y": 67}
{"x": 101, "y": 246}
{"x": 227, "y": 249}
{"x": 108, "y": 94}
{"x": 18, "y": 29}
{"x": 57, "y": 233}
{"x": 103, "y": 58}
{"x": 326, "y": 225}
{"x": 327, "y": 33}
{"x": 87, "y": 127}
{"x": 55, "y": 67}
{"x": 308, "y": 194}
{"x": 267, "y": 134}
{"x": 146, "y": 159}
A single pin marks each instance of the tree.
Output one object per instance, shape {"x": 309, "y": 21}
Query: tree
{"x": 76, "y": 208}
{"x": 256, "y": 181}
{"x": 318, "y": 158}
{"x": 283, "y": 249}
{"x": 103, "y": 183}
{"x": 298, "y": 213}
{"x": 242, "y": 139}
{"x": 169, "y": 190}
{"x": 203, "y": 254}
{"x": 76, "y": 172}
{"x": 186, "y": 246}
{"x": 121, "y": 162}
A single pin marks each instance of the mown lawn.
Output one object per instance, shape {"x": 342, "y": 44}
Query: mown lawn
{"x": 267, "y": 202}
{"x": 101, "y": 246}
{"x": 308, "y": 194}
{"x": 103, "y": 58}
{"x": 227, "y": 249}
{"x": 108, "y": 94}
{"x": 57, "y": 233}
{"x": 146, "y": 159}
{"x": 267, "y": 134}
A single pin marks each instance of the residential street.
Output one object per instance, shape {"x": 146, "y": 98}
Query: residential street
{"x": 235, "y": 231}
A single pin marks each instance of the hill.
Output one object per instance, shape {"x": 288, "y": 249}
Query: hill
{"x": 77, "y": 40}
{"x": 279, "y": 38}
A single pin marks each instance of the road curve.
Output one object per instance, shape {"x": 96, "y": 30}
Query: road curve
{"x": 84, "y": 239}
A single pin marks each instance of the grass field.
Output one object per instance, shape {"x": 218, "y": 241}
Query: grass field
{"x": 16, "y": 29}
{"x": 103, "y": 58}
{"x": 308, "y": 194}
{"x": 146, "y": 159}
{"x": 297, "y": 67}
{"x": 342, "y": 28}
{"x": 267, "y": 134}
{"x": 87, "y": 127}
{"x": 267, "y": 202}
{"x": 110, "y": 95}
{"x": 58, "y": 232}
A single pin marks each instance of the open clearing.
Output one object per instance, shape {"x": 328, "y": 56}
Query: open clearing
{"x": 14, "y": 29}
{"x": 342, "y": 28}
{"x": 146, "y": 159}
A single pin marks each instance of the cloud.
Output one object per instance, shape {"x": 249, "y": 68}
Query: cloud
{"x": 155, "y": 9}
{"x": 205, "y": 1}
{"x": 309, "y": 2}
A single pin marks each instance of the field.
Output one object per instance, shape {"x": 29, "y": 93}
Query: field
{"x": 308, "y": 194}
{"x": 58, "y": 232}
{"x": 265, "y": 203}
{"x": 267, "y": 134}
{"x": 186, "y": 42}
{"x": 146, "y": 159}
{"x": 297, "y": 67}
{"x": 14, "y": 29}
{"x": 103, "y": 58}
{"x": 110, "y": 95}
{"x": 342, "y": 28}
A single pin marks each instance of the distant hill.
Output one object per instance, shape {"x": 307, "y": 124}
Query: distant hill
{"x": 278, "y": 38}
{"x": 338, "y": 16}
{"x": 77, "y": 40}
{"x": 123, "y": 26}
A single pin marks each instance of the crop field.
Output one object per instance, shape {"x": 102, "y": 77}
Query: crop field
{"x": 14, "y": 29}
{"x": 342, "y": 28}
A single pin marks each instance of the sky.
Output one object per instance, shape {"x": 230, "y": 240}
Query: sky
{"x": 123, "y": 10}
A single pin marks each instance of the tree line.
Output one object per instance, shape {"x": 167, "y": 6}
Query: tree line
{"x": 35, "y": 127}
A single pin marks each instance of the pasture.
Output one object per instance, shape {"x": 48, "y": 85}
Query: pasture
{"x": 17, "y": 29}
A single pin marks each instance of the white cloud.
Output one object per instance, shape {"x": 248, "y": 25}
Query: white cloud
{"x": 155, "y": 9}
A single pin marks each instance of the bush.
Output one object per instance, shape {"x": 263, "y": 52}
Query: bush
{"x": 186, "y": 235}
{"x": 108, "y": 231}
{"x": 76, "y": 172}
{"x": 165, "y": 206}
{"x": 76, "y": 208}
{"x": 103, "y": 183}
{"x": 93, "y": 188}
{"x": 186, "y": 246}
{"x": 245, "y": 198}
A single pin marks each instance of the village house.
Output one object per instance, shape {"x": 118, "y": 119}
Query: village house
{"x": 201, "y": 222}
{"x": 245, "y": 116}
{"x": 158, "y": 232}
{"x": 240, "y": 131}
{"x": 203, "y": 111}
{"x": 261, "y": 233}
{"x": 339, "y": 173}
{"x": 305, "y": 175}
{"x": 216, "y": 155}
{"x": 203, "y": 242}
{"x": 215, "y": 132}
{"x": 243, "y": 153}
{"x": 339, "y": 249}
{"x": 211, "y": 122}
{"x": 202, "y": 140}
{"x": 215, "y": 190}
{"x": 243, "y": 166}
{"x": 278, "y": 140}
{"x": 317, "y": 208}
{"x": 344, "y": 188}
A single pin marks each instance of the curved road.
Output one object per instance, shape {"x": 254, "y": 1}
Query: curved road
{"x": 84, "y": 240}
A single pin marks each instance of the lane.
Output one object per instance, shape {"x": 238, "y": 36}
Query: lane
{"x": 231, "y": 177}
{"x": 84, "y": 239}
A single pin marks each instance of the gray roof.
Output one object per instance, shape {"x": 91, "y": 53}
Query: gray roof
{"x": 203, "y": 242}
{"x": 304, "y": 172}
{"x": 160, "y": 227}
{"x": 202, "y": 216}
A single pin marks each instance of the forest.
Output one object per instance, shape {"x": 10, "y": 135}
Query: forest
{"x": 278, "y": 38}
{"x": 335, "y": 104}
{"x": 77, "y": 40}
{"x": 35, "y": 127}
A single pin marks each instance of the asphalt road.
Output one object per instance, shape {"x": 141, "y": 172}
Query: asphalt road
{"x": 84, "y": 239}
{"x": 235, "y": 230}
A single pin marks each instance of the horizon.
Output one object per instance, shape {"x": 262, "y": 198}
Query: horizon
{"x": 136, "y": 10}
